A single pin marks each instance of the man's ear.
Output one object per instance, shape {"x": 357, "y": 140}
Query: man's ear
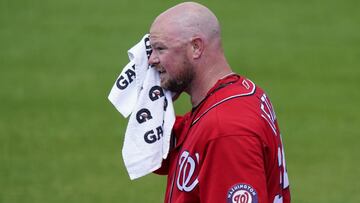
{"x": 197, "y": 45}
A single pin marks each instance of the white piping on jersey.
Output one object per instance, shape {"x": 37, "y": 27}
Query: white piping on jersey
{"x": 224, "y": 100}
{"x": 232, "y": 73}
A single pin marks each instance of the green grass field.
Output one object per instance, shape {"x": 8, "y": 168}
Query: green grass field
{"x": 61, "y": 139}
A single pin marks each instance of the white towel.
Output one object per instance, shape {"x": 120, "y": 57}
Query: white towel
{"x": 137, "y": 92}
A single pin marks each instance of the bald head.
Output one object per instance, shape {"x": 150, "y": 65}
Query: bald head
{"x": 188, "y": 20}
{"x": 186, "y": 49}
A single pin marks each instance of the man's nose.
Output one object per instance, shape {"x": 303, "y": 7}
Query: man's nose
{"x": 154, "y": 59}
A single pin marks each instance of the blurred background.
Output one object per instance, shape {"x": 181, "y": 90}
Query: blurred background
{"x": 61, "y": 139}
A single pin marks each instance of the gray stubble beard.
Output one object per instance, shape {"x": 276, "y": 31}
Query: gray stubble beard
{"x": 182, "y": 82}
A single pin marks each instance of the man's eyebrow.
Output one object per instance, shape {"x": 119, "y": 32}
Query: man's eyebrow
{"x": 157, "y": 44}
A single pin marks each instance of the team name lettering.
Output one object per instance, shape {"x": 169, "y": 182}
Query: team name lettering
{"x": 124, "y": 81}
{"x": 240, "y": 187}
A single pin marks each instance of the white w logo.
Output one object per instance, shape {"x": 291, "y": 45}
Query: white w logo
{"x": 187, "y": 166}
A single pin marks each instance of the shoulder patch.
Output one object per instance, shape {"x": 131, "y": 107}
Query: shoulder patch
{"x": 242, "y": 193}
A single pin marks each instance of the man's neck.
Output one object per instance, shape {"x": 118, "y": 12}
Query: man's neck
{"x": 201, "y": 86}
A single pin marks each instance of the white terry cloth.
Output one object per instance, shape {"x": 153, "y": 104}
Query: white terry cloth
{"x": 137, "y": 92}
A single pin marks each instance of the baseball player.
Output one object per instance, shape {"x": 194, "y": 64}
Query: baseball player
{"x": 228, "y": 148}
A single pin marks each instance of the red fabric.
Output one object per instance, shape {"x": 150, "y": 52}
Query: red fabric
{"x": 226, "y": 142}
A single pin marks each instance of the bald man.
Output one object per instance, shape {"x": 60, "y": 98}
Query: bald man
{"x": 228, "y": 148}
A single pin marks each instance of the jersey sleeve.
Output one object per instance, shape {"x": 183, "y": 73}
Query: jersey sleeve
{"x": 233, "y": 170}
{"x": 176, "y": 131}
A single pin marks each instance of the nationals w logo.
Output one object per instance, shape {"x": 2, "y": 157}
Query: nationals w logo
{"x": 242, "y": 193}
{"x": 187, "y": 166}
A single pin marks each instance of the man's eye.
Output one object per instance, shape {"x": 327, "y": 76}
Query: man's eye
{"x": 159, "y": 48}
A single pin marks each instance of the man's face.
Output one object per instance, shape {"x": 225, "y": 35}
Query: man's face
{"x": 169, "y": 57}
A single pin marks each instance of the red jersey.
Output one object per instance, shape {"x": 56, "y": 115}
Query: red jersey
{"x": 228, "y": 149}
